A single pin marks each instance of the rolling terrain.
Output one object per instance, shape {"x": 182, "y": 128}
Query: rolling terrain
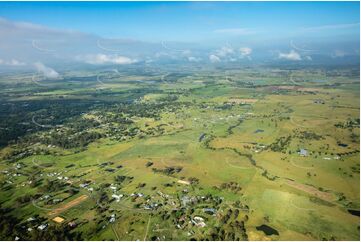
{"x": 164, "y": 153}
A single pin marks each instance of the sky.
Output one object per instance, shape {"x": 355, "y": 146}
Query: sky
{"x": 282, "y": 28}
{"x": 185, "y": 21}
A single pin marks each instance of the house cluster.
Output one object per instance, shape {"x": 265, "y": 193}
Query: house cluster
{"x": 117, "y": 197}
{"x": 191, "y": 200}
{"x": 165, "y": 196}
{"x": 65, "y": 178}
{"x": 150, "y": 205}
{"x": 85, "y": 185}
{"x": 47, "y": 200}
{"x": 41, "y": 226}
{"x": 57, "y": 200}
{"x": 112, "y": 218}
{"x": 53, "y": 174}
{"x": 136, "y": 195}
{"x": 10, "y": 174}
{"x": 45, "y": 197}
{"x": 258, "y": 147}
{"x": 57, "y": 175}
{"x": 198, "y": 221}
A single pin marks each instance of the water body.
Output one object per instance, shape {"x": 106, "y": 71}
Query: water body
{"x": 203, "y": 135}
{"x": 259, "y": 131}
{"x": 267, "y": 230}
{"x": 342, "y": 145}
{"x": 354, "y": 212}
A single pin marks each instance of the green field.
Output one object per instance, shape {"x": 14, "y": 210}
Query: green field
{"x": 142, "y": 157}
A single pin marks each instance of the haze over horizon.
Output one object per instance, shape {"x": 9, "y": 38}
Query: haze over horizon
{"x": 98, "y": 33}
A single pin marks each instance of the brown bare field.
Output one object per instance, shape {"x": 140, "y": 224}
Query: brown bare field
{"x": 295, "y": 88}
{"x": 68, "y": 205}
{"x": 309, "y": 89}
{"x": 311, "y": 190}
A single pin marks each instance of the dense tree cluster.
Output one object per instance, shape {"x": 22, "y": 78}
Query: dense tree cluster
{"x": 280, "y": 144}
{"x": 169, "y": 170}
{"x": 232, "y": 186}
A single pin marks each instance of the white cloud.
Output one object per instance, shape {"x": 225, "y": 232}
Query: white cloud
{"x": 224, "y": 51}
{"x": 99, "y": 59}
{"x": 12, "y": 62}
{"x": 229, "y": 54}
{"x": 46, "y": 71}
{"x": 23, "y": 28}
{"x": 234, "y": 31}
{"x": 293, "y": 55}
{"x": 194, "y": 59}
{"x": 186, "y": 52}
{"x": 214, "y": 58}
{"x": 308, "y": 57}
{"x": 35, "y": 43}
{"x": 245, "y": 51}
{"x": 332, "y": 26}
{"x": 292, "y": 44}
{"x": 162, "y": 54}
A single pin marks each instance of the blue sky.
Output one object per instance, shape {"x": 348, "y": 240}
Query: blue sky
{"x": 191, "y": 21}
{"x": 207, "y": 32}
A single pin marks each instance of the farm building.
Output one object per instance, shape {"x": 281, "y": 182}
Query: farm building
{"x": 303, "y": 152}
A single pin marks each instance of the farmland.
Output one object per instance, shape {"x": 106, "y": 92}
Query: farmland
{"x": 164, "y": 153}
